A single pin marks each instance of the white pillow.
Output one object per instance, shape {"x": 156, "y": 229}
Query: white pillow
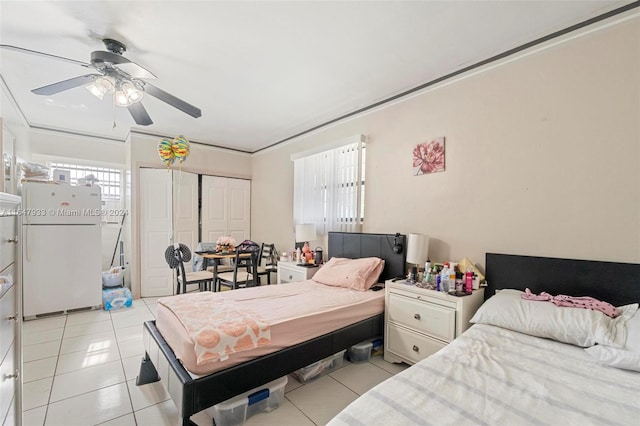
{"x": 628, "y": 357}
{"x": 577, "y": 326}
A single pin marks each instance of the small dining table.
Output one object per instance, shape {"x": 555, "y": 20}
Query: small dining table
{"x": 216, "y": 258}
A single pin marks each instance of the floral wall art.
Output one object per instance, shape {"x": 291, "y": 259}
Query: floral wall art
{"x": 428, "y": 157}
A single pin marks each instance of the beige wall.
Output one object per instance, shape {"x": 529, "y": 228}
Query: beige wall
{"x": 542, "y": 158}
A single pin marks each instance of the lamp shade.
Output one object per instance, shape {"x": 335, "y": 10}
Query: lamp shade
{"x": 305, "y": 232}
{"x": 417, "y": 249}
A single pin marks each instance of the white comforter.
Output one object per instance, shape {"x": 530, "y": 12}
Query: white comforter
{"x": 493, "y": 376}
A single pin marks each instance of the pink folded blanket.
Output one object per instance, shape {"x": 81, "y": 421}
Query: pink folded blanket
{"x": 217, "y": 326}
{"x": 584, "y": 302}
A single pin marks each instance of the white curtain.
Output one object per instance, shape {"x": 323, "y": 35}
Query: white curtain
{"x": 328, "y": 189}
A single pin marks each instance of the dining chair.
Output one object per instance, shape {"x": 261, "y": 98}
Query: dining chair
{"x": 245, "y": 271}
{"x": 267, "y": 261}
{"x": 176, "y": 255}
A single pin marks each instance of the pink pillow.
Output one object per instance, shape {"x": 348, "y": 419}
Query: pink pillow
{"x": 356, "y": 274}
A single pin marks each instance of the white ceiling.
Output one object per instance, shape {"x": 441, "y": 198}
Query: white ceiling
{"x": 260, "y": 71}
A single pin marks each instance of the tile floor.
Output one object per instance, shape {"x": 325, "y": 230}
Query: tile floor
{"x": 80, "y": 370}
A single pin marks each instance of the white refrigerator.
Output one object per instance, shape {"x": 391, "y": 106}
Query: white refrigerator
{"x": 61, "y": 248}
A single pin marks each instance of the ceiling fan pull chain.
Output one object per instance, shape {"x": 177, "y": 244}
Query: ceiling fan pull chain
{"x": 114, "y": 112}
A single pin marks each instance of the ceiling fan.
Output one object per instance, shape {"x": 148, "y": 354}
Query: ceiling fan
{"x": 117, "y": 76}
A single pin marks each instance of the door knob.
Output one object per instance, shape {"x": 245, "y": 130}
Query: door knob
{"x": 416, "y": 316}
{"x": 13, "y": 240}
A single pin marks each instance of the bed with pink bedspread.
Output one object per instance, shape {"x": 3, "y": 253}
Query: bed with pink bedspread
{"x": 259, "y": 334}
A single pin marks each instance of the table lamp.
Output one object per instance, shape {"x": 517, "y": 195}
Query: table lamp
{"x": 417, "y": 252}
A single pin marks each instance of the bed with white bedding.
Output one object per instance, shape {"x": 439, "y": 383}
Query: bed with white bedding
{"x": 585, "y": 370}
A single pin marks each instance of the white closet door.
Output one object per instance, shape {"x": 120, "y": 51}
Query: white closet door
{"x": 185, "y": 210}
{"x": 225, "y": 208}
{"x": 239, "y": 223}
{"x": 156, "y": 206}
{"x": 214, "y": 208}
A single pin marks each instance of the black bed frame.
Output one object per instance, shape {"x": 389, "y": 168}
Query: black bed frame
{"x": 204, "y": 392}
{"x": 616, "y": 283}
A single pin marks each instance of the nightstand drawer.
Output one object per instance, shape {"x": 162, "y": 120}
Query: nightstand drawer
{"x": 425, "y": 317}
{"x": 292, "y": 275}
{"x": 413, "y": 346}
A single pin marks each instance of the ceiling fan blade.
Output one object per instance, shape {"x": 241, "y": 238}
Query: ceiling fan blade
{"x": 125, "y": 65}
{"x": 172, "y": 100}
{"x": 61, "y": 86}
{"x": 139, "y": 114}
{"x": 46, "y": 55}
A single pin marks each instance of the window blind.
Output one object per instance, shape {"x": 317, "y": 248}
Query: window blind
{"x": 329, "y": 188}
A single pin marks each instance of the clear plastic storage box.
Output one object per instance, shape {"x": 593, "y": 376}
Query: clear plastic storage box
{"x": 320, "y": 368}
{"x": 237, "y": 410}
{"x": 361, "y": 352}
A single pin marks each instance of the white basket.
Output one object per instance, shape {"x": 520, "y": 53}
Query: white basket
{"x": 113, "y": 277}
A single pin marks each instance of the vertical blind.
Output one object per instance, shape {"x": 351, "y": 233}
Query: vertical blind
{"x": 329, "y": 189}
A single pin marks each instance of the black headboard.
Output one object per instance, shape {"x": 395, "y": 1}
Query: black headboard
{"x": 357, "y": 245}
{"x": 616, "y": 283}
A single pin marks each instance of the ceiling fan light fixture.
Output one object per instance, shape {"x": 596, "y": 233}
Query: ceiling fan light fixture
{"x": 101, "y": 86}
{"x": 121, "y": 98}
{"x": 132, "y": 91}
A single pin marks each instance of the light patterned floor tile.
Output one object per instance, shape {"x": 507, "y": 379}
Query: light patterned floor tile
{"x": 285, "y": 415}
{"x": 44, "y": 324}
{"x": 86, "y": 380}
{"x": 34, "y": 417}
{"x": 131, "y": 348}
{"x": 129, "y": 333}
{"x": 40, "y": 369}
{"x": 393, "y": 368}
{"x": 131, "y": 366}
{"x": 163, "y": 414}
{"x": 90, "y": 408}
{"x": 360, "y": 377}
{"x": 87, "y": 317}
{"x": 87, "y": 328}
{"x": 36, "y": 393}
{"x": 133, "y": 320}
{"x": 321, "y": 399}
{"x": 88, "y": 343}
{"x": 83, "y": 359}
{"x": 41, "y": 351}
{"x": 126, "y": 420}
{"x": 42, "y": 336}
{"x": 146, "y": 395}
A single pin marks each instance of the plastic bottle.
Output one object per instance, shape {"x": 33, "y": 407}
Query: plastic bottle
{"x": 444, "y": 278}
{"x": 468, "y": 281}
{"x": 452, "y": 277}
{"x": 427, "y": 266}
{"x": 299, "y": 256}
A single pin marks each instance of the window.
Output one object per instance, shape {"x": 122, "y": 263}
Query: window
{"x": 110, "y": 181}
{"x": 329, "y": 187}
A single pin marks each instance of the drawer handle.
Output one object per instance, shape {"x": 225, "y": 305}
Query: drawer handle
{"x": 12, "y": 376}
{"x": 290, "y": 277}
{"x": 416, "y": 316}
{"x": 415, "y": 348}
{"x": 13, "y": 240}
{"x": 13, "y": 317}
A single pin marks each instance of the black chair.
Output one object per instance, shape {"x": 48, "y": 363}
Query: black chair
{"x": 245, "y": 271}
{"x": 176, "y": 255}
{"x": 267, "y": 261}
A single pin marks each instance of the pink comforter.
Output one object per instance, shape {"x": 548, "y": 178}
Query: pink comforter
{"x": 218, "y": 326}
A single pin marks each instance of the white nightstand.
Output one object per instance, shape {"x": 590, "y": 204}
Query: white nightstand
{"x": 419, "y": 322}
{"x": 289, "y": 272}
